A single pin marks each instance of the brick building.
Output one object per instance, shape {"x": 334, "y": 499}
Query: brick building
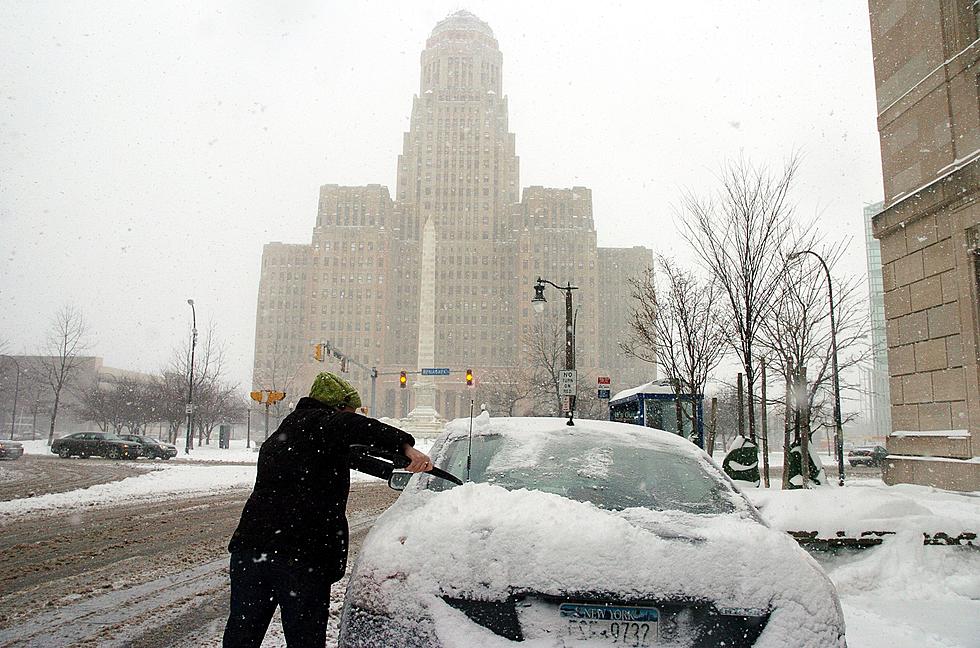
{"x": 926, "y": 75}
{"x": 364, "y": 284}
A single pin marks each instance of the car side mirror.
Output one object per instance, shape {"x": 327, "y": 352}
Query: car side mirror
{"x": 399, "y": 479}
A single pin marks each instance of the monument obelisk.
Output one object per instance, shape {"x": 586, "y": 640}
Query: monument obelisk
{"x": 424, "y": 420}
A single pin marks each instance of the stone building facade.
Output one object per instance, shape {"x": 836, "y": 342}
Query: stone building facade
{"x": 926, "y": 73}
{"x": 365, "y": 284}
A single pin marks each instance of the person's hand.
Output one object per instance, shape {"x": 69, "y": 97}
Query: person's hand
{"x": 420, "y": 461}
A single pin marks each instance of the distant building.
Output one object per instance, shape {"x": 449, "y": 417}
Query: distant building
{"x": 441, "y": 269}
{"x": 925, "y": 65}
{"x": 879, "y": 404}
{"x": 26, "y": 399}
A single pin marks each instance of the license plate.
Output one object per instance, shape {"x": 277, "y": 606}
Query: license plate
{"x": 617, "y": 625}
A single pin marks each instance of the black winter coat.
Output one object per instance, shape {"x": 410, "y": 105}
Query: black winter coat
{"x": 297, "y": 508}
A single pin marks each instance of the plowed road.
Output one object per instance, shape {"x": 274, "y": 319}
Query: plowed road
{"x": 148, "y": 574}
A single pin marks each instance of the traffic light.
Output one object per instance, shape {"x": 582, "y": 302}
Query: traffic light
{"x": 318, "y": 353}
{"x": 403, "y": 379}
{"x": 469, "y": 377}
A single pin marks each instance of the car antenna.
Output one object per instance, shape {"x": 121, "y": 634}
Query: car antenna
{"x": 469, "y": 447}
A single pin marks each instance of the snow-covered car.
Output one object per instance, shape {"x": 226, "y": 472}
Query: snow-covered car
{"x": 11, "y": 450}
{"x": 152, "y": 448}
{"x": 600, "y": 534}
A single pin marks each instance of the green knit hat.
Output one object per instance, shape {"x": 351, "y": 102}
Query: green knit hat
{"x": 334, "y": 391}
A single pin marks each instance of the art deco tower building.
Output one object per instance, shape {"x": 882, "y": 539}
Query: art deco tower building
{"x": 438, "y": 272}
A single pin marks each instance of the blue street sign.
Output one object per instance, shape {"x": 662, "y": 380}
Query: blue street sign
{"x": 603, "y": 393}
{"x": 435, "y": 371}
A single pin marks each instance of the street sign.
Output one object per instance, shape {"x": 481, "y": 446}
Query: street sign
{"x": 188, "y": 409}
{"x": 603, "y": 380}
{"x": 603, "y": 394}
{"x": 435, "y": 371}
{"x": 566, "y": 382}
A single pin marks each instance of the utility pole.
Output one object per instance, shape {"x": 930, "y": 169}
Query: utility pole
{"x": 189, "y": 439}
{"x": 13, "y": 415}
{"x": 838, "y": 428}
{"x": 765, "y": 428}
{"x": 538, "y": 302}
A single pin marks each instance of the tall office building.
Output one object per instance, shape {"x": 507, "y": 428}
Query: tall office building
{"x": 926, "y": 58}
{"x": 879, "y": 404}
{"x": 440, "y": 273}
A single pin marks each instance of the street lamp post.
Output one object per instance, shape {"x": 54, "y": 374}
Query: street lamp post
{"x": 189, "y": 439}
{"x": 538, "y": 302}
{"x": 838, "y": 431}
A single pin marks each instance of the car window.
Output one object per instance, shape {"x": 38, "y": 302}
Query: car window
{"x": 611, "y": 475}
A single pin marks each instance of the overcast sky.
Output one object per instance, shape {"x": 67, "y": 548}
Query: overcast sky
{"x": 149, "y": 149}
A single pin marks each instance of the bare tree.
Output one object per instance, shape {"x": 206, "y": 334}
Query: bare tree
{"x": 98, "y": 406}
{"x": 120, "y": 403}
{"x": 213, "y": 396}
{"x": 508, "y": 391}
{"x": 545, "y": 346}
{"x": 61, "y": 356}
{"x": 740, "y": 234}
{"x": 279, "y": 374}
{"x": 170, "y": 389}
{"x": 797, "y": 334}
{"x": 678, "y": 326}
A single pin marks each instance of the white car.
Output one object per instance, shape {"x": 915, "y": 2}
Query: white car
{"x": 601, "y": 534}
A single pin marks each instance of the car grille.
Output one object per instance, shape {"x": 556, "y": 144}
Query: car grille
{"x": 684, "y": 623}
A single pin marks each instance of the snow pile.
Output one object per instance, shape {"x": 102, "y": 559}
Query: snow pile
{"x": 169, "y": 481}
{"x": 869, "y": 505}
{"x": 904, "y": 594}
{"x": 901, "y": 594}
{"x": 481, "y": 541}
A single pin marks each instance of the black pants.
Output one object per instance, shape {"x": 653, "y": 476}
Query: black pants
{"x": 259, "y": 584}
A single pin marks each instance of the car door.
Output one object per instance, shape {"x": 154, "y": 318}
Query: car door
{"x": 99, "y": 444}
{"x": 82, "y": 444}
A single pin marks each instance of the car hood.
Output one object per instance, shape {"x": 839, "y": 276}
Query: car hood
{"x": 480, "y": 541}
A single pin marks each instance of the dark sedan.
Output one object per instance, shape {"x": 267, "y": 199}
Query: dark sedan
{"x": 867, "y": 456}
{"x": 11, "y": 450}
{"x": 95, "y": 444}
{"x": 152, "y": 448}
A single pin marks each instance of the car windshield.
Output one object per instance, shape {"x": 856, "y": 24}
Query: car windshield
{"x": 610, "y": 474}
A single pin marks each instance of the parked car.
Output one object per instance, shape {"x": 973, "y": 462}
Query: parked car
{"x": 598, "y": 534}
{"x": 867, "y": 456}
{"x": 152, "y": 448}
{"x": 11, "y": 450}
{"x": 95, "y": 444}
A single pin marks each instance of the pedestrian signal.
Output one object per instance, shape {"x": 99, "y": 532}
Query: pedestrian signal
{"x": 318, "y": 353}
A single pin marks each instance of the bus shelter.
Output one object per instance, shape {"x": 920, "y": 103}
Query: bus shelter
{"x": 655, "y": 405}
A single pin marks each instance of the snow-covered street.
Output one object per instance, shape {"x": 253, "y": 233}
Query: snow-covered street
{"x": 901, "y": 594}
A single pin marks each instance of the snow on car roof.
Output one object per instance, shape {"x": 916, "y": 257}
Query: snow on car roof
{"x": 532, "y": 432}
